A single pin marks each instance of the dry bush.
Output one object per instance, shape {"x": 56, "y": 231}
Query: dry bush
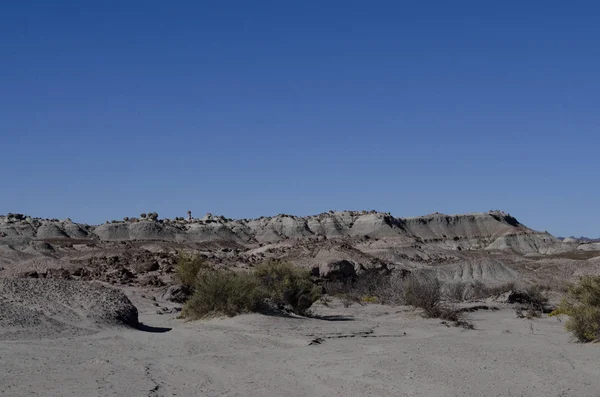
{"x": 325, "y": 300}
{"x": 343, "y": 290}
{"x": 456, "y": 291}
{"x": 537, "y": 297}
{"x": 502, "y": 289}
{"x": 479, "y": 290}
{"x": 532, "y": 302}
{"x": 224, "y": 292}
{"x": 582, "y": 305}
{"x": 380, "y": 287}
{"x": 188, "y": 266}
{"x": 528, "y": 312}
{"x": 426, "y": 293}
{"x": 370, "y": 287}
{"x": 423, "y": 292}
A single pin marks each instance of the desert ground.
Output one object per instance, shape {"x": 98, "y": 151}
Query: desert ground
{"x": 94, "y": 310}
{"x": 370, "y": 350}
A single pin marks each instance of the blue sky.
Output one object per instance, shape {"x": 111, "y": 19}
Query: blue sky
{"x": 112, "y": 108}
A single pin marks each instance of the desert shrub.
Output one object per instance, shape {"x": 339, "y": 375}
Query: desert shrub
{"x": 325, "y": 300}
{"x": 369, "y": 299}
{"x": 582, "y": 305}
{"x": 288, "y": 286}
{"x": 423, "y": 292}
{"x": 528, "y": 312}
{"x": 143, "y": 215}
{"x": 343, "y": 290}
{"x": 224, "y": 292}
{"x": 270, "y": 285}
{"x": 370, "y": 287}
{"x": 502, "y": 289}
{"x": 188, "y": 267}
{"x": 479, "y": 290}
{"x": 536, "y": 297}
{"x": 456, "y": 291}
{"x": 453, "y": 314}
{"x": 385, "y": 288}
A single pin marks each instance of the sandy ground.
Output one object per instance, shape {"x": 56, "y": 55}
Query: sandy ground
{"x": 358, "y": 351}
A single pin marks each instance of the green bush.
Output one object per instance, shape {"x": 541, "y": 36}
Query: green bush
{"x": 224, "y": 292}
{"x": 289, "y": 287}
{"x": 188, "y": 267}
{"x": 271, "y": 285}
{"x": 582, "y": 305}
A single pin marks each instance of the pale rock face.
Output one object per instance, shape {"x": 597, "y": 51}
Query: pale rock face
{"x": 491, "y": 231}
{"x": 532, "y": 243}
{"x": 113, "y": 232}
{"x": 74, "y": 230}
{"x": 51, "y": 231}
{"x": 486, "y": 270}
{"x": 589, "y": 247}
{"x": 212, "y": 231}
{"x": 438, "y": 226}
{"x": 376, "y": 225}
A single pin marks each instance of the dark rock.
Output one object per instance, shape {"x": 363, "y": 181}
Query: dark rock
{"x": 145, "y": 267}
{"x": 80, "y": 272}
{"x": 151, "y": 281}
{"x": 62, "y": 274}
{"x": 177, "y": 293}
{"x": 29, "y": 274}
{"x": 336, "y": 270}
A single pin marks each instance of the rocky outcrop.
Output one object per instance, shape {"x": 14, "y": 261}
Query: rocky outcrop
{"x": 48, "y": 308}
{"x": 491, "y": 231}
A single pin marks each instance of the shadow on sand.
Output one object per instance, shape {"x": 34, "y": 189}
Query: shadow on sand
{"x": 334, "y": 317}
{"x": 282, "y": 313}
{"x": 156, "y": 330}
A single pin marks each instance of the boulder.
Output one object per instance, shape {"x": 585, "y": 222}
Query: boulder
{"x": 145, "y": 267}
{"x": 177, "y": 293}
{"x": 336, "y": 270}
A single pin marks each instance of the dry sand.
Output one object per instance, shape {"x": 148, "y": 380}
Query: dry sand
{"x": 358, "y": 351}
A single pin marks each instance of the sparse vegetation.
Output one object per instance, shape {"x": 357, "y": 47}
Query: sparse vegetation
{"x": 456, "y": 291}
{"x": 479, "y": 290}
{"x": 288, "y": 286}
{"x": 272, "y": 285}
{"x": 143, "y": 215}
{"x": 370, "y": 287}
{"x": 425, "y": 293}
{"x": 582, "y": 305}
{"x": 188, "y": 267}
{"x": 224, "y": 292}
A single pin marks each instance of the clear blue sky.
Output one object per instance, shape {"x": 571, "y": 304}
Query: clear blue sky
{"x": 250, "y": 108}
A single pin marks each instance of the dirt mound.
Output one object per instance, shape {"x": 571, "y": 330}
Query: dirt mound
{"x": 54, "y": 308}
